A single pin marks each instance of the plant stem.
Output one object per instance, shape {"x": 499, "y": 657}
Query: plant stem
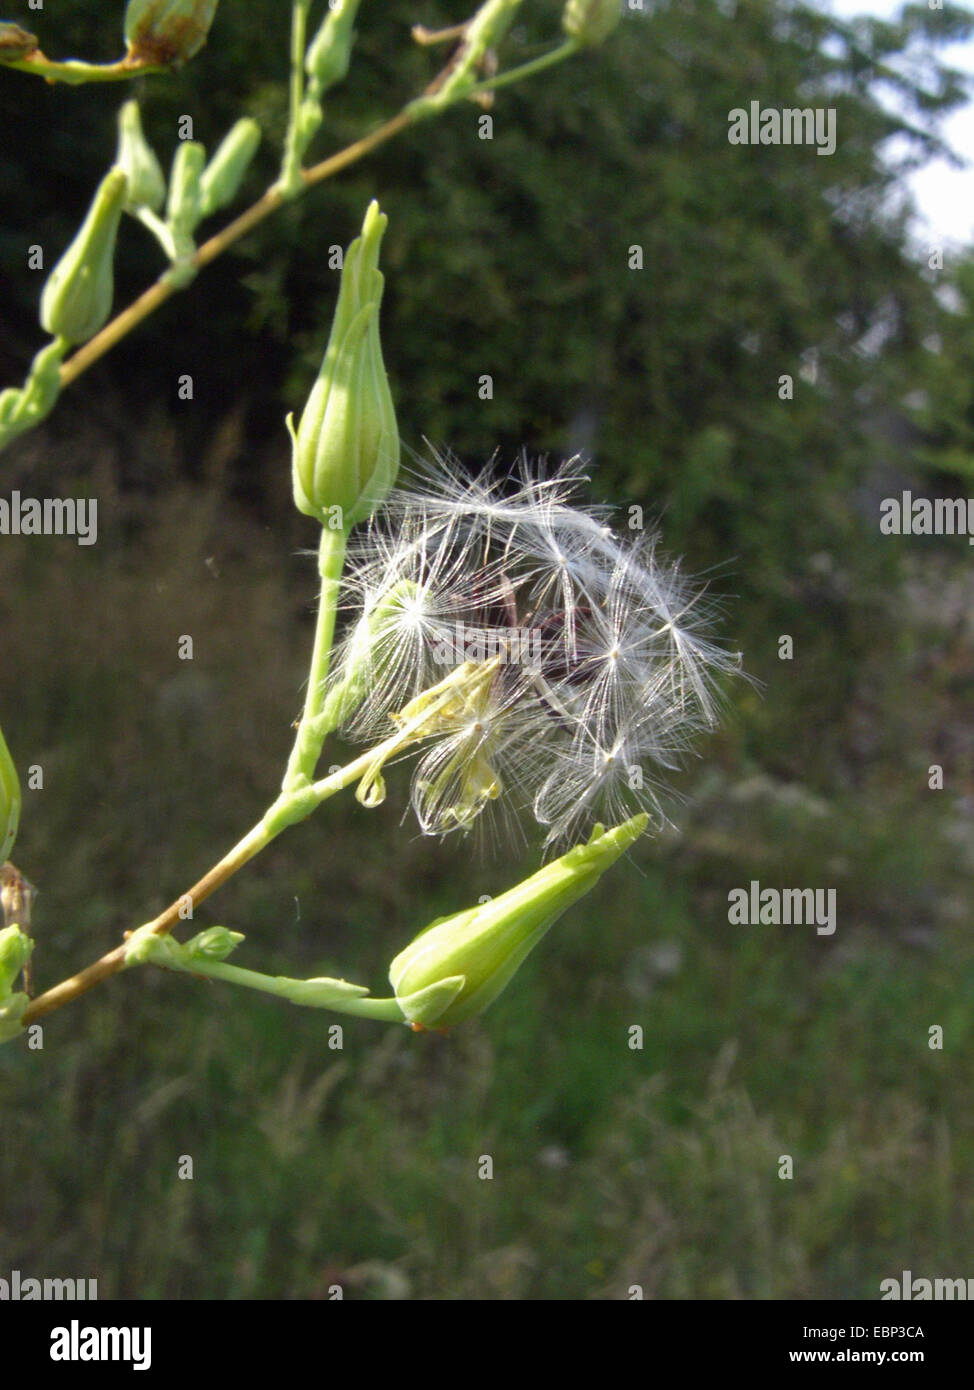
{"x": 159, "y": 229}
{"x": 295, "y": 991}
{"x": 289, "y": 808}
{"x": 426, "y": 106}
{"x": 110, "y": 964}
{"x": 156, "y": 295}
{"x": 75, "y": 72}
{"x": 310, "y": 735}
{"x": 290, "y": 182}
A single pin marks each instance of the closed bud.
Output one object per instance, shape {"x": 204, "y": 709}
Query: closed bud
{"x": 346, "y": 447}
{"x": 77, "y": 298}
{"x": 223, "y": 176}
{"x": 167, "y": 32}
{"x": 329, "y": 53}
{"x": 215, "y": 943}
{"x": 183, "y": 209}
{"x": 137, "y": 159}
{"x": 480, "y": 949}
{"x": 590, "y": 22}
{"x": 15, "y": 949}
{"x": 9, "y": 801}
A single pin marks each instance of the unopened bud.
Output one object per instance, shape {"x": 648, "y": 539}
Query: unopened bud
{"x": 483, "y": 946}
{"x": 590, "y": 22}
{"x": 77, "y": 298}
{"x": 137, "y": 159}
{"x": 215, "y": 943}
{"x": 223, "y": 175}
{"x": 167, "y": 32}
{"x": 330, "y": 51}
{"x": 183, "y": 208}
{"x": 15, "y": 949}
{"x": 346, "y": 447}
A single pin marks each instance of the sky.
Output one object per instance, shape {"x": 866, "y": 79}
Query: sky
{"x": 945, "y": 195}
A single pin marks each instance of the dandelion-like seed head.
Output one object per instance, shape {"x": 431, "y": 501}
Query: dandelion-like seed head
{"x": 502, "y": 630}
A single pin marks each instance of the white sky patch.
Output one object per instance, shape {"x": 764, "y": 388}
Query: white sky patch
{"x": 944, "y": 195}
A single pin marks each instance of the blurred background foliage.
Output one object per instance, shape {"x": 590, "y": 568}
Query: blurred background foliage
{"x": 510, "y": 257}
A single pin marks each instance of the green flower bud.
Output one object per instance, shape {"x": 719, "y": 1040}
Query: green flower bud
{"x": 215, "y": 943}
{"x": 223, "y": 175}
{"x": 9, "y": 801}
{"x": 485, "y": 945}
{"x": 15, "y": 949}
{"x": 346, "y": 447}
{"x": 167, "y": 31}
{"x": 136, "y": 157}
{"x": 183, "y": 208}
{"x": 330, "y": 51}
{"x": 77, "y": 298}
{"x": 590, "y": 21}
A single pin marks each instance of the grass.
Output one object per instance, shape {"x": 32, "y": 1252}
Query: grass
{"x": 614, "y": 1167}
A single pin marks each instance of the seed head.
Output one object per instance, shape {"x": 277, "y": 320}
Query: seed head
{"x": 534, "y": 657}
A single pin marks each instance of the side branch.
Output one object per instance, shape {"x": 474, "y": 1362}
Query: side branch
{"x": 164, "y": 288}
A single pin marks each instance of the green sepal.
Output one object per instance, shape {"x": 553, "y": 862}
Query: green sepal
{"x": 427, "y": 1006}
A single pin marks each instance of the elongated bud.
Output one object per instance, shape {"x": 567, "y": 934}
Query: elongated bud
{"x": 223, "y": 176}
{"x": 137, "y": 159}
{"x": 9, "y": 801}
{"x": 329, "y": 53}
{"x": 183, "y": 208}
{"x": 590, "y": 22}
{"x": 167, "y": 31}
{"x": 346, "y": 447}
{"x": 77, "y": 298}
{"x": 484, "y": 945}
